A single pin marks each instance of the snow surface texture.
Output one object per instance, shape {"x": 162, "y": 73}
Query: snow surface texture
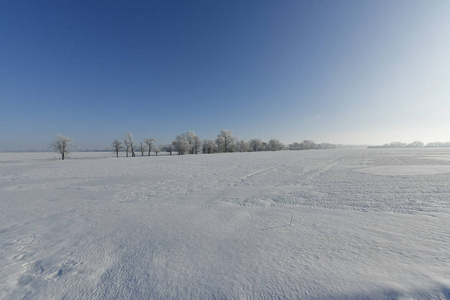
{"x": 367, "y": 224}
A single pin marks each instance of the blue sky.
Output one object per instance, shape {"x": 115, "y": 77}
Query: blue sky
{"x": 352, "y": 72}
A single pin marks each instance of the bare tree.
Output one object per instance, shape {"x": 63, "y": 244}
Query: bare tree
{"x": 62, "y": 145}
{"x": 117, "y": 146}
{"x": 150, "y": 142}
{"x": 129, "y": 138}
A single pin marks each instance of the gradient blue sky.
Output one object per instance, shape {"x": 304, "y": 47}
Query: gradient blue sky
{"x": 352, "y": 72}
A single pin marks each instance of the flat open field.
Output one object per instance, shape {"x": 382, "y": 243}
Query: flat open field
{"x": 366, "y": 224}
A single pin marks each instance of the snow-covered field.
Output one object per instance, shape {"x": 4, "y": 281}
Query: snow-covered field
{"x": 367, "y": 224}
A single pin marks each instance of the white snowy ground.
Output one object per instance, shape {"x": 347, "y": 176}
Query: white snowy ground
{"x": 367, "y": 224}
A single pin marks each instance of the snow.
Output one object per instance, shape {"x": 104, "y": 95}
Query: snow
{"x": 406, "y": 170}
{"x": 367, "y": 224}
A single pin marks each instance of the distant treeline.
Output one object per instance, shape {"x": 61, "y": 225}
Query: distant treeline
{"x": 307, "y": 145}
{"x": 415, "y": 144}
{"x": 190, "y": 143}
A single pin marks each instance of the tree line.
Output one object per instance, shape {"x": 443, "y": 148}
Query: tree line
{"x": 415, "y": 144}
{"x": 190, "y": 143}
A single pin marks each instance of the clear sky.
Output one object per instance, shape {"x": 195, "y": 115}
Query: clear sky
{"x": 351, "y": 72}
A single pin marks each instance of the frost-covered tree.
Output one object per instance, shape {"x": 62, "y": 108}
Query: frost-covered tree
{"x": 196, "y": 145}
{"x": 62, "y": 145}
{"x": 275, "y": 145}
{"x": 142, "y": 148}
{"x": 265, "y": 147}
{"x": 220, "y": 144}
{"x": 416, "y": 144}
{"x": 438, "y": 144}
{"x": 150, "y": 142}
{"x": 232, "y": 147}
{"x": 208, "y": 146}
{"x": 243, "y": 146}
{"x": 129, "y": 139}
{"x": 127, "y": 146}
{"x": 156, "y": 149}
{"x": 194, "y": 142}
{"x": 117, "y": 146}
{"x": 307, "y": 144}
{"x": 256, "y": 144}
{"x": 226, "y": 138}
{"x": 181, "y": 144}
{"x": 187, "y": 143}
{"x": 168, "y": 148}
{"x": 294, "y": 146}
{"x": 327, "y": 146}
